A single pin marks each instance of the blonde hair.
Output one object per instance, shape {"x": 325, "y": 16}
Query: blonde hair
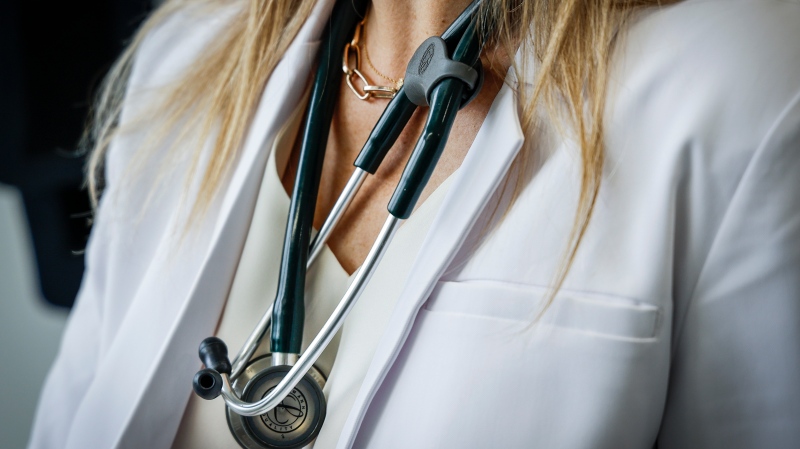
{"x": 570, "y": 41}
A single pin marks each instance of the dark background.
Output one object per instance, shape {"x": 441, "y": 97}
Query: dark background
{"x": 53, "y": 55}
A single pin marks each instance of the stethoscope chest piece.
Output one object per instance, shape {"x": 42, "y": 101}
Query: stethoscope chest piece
{"x": 292, "y": 424}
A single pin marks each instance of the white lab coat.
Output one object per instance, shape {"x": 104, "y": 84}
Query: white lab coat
{"x": 679, "y": 322}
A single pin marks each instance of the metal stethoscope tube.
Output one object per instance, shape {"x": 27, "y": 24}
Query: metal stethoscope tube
{"x": 342, "y": 203}
{"x": 314, "y": 350}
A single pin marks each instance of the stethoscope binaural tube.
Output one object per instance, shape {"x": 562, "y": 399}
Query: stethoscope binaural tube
{"x": 446, "y": 97}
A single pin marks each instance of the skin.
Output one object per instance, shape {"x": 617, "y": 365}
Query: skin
{"x": 393, "y": 31}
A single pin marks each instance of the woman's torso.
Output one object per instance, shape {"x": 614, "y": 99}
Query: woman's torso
{"x": 673, "y": 323}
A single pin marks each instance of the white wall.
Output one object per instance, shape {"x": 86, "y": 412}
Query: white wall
{"x": 29, "y": 329}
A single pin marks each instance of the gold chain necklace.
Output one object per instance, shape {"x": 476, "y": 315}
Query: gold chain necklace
{"x": 352, "y": 53}
{"x": 398, "y": 83}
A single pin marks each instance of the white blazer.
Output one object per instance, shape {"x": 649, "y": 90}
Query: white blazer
{"x": 679, "y": 322}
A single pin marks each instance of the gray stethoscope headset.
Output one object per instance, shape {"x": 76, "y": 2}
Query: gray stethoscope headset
{"x": 276, "y": 401}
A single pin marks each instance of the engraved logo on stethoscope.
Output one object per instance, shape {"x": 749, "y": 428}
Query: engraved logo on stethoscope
{"x": 289, "y": 415}
{"x": 425, "y": 61}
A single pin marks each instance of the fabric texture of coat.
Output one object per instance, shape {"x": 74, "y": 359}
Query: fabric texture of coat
{"x": 678, "y": 324}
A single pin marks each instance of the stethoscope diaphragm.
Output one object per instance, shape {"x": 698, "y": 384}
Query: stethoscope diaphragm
{"x": 292, "y": 424}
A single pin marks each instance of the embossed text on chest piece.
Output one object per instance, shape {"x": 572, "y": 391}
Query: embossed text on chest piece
{"x": 289, "y": 415}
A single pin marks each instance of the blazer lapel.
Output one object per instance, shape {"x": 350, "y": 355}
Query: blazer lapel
{"x": 484, "y": 167}
{"x": 153, "y": 420}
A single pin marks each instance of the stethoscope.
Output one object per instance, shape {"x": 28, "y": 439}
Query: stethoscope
{"x": 276, "y": 401}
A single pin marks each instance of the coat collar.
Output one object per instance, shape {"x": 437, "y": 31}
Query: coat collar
{"x": 482, "y": 171}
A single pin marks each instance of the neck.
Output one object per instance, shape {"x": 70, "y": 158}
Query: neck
{"x": 395, "y": 28}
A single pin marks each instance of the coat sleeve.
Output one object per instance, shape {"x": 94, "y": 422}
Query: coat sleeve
{"x": 82, "y": 344}
{"x": 74, "y": 367}
{"x": 735, "y": 376}
{"x": 115, "y": 260}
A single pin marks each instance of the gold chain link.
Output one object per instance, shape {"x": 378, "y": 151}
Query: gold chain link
{"x": 352, "y": 51}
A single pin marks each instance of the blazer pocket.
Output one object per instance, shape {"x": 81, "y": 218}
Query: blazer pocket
{"x": 586, "y": 312}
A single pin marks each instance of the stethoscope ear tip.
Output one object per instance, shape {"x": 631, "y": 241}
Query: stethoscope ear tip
{"x": 207, "y": 383}
{"x": 214, "y": 354}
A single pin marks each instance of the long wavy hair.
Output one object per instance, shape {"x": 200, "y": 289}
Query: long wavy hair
{"x": 569, "y": 41}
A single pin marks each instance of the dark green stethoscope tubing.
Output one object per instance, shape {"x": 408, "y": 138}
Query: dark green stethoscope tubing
{"x": 445, "y": 101}
{"x": 288, "y": 312}
{"x": 289, "y": 308}
{"x": 398, "y": 112}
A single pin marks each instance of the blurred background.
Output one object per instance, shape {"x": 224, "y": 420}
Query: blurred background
{"x": 52, "y": 57}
